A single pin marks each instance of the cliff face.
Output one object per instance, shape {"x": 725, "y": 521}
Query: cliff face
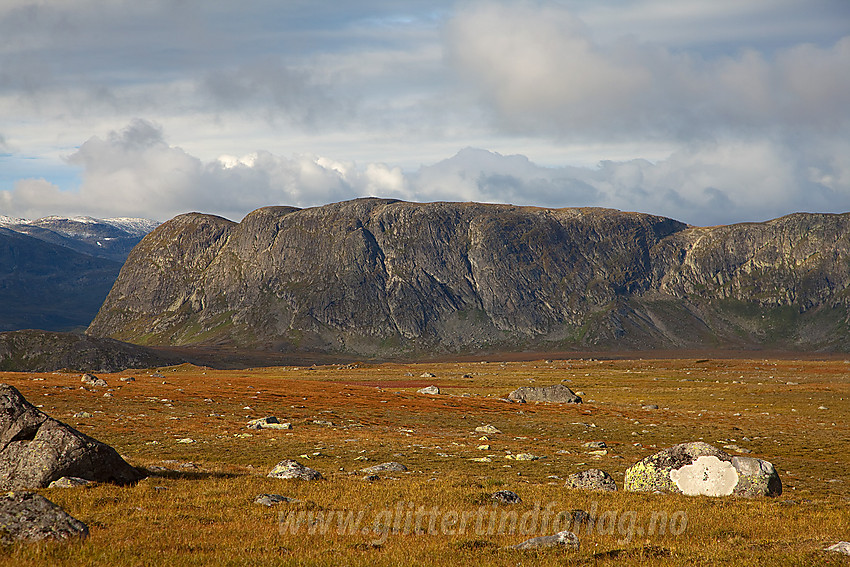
{"x": 385, "y": 277}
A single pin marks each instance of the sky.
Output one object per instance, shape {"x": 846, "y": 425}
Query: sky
{"x": 707, "y": 111}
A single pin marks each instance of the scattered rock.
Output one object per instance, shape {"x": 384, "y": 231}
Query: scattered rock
{"x": 566, "y": 539}
{"x": 427, "y": 375}
{"x": 591, "y": 479}
{"x": 272, "y": 499}
{"x": 82, "y": 415}
{"x": 290, "y": 469}
{"x": 556, "y": 393}
{"x": 92, "y": 380}
{"x": 69, "y": 482}
{"x": 842, "y": 547}
{"x": 595, "y": 445}
{"x": 431, "y": 390}
{"x": 25, "y": 516}
{"x": 127, "y": 379}
{"x": 699, "y": 469}
{"x": 371, "y": 478}
{"x": 487, "y": 429}
{"x": 737, "y": 449}
{"x": 482, "y": 460}
{"x": 186, "y": 440}
{"x": 385, "y": 467}
{"x": 506, "y": 497}
{"x": 649, "y": 406}
{"x": 523, "y": 457}
{"x": 269, "y": 422}
{"x": 36, "y": 449}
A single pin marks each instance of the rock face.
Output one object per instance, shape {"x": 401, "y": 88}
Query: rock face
{"x": 294, "y": 470}
{"x": 449, "y": 277}
{"x": 557, "y": 393}
{"x": 591, "y": 479}
{"x": 36, "y": 449}
{"x": 700, "y": 469}
{"x": 25, "y": 516}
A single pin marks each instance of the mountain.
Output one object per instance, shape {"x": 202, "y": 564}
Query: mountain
{"x": 55, "y": 272}
{"x": 383, "y": 277}
{"x": 111, "y": 239}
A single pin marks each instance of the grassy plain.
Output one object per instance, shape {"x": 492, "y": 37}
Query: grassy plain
{"x": 198, "y": 509}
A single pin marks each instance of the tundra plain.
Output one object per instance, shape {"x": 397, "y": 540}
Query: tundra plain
{"x": 187, "y": 426}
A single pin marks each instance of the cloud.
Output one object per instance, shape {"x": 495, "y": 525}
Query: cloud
{"x": 135, "y": 172}
{"x": 541, "y": 71}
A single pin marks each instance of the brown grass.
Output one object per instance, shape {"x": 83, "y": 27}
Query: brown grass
{"x": 206, "y": 515}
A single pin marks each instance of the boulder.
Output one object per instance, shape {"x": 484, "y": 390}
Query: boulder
{"x": 385, "y": 467}
{"x": 92, "y": 380}
{"x": 842, "y": 547}
{"x": 566, "y": 539}
{"x": 431, "y": 390}
{"x": 36, "y": 449}
{"x": 272, "y": 499}
{"x": 487, "y": 429}
{"x": 69, "y": 482}
{"x": 25, "y": 516}
{"x": 556, "y": 393}
{"x": 506, "y": 497}
{"x": 591, "y": 479}
{"x": 290, "y": 469}
{"x": 699, "y": 469}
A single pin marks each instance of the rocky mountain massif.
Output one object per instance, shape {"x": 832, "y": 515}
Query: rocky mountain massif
{"x": 382, "y": 277}
{"x": 56, "y": 271}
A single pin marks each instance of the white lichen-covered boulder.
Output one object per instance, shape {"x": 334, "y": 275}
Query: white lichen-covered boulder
{"x": 699, "y": 469}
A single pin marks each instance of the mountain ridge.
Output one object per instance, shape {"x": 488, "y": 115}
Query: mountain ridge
{"x": 379, "y": 276}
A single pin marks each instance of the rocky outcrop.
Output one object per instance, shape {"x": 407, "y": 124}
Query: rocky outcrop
{"x": 556, "y": 394}
{"x": 381, "y": 277}
{"x": 43, "y": 351}
{"x": 36, "y": 449}
{"x": 699, "y": 469}
{"x": 25, "y": 516}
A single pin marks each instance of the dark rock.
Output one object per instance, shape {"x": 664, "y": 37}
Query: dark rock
{"x": 269, "y": 422}
{"x": 36, "y": 449}
{"x": 25, "y": 516}
{"x": 289, "y": 469}
{"x": 556, "y": 393}
{"x": 699, "y": 469}
{"x": 591, "y": 479}
{"x": 565, "y": 539}
{"x": 506, "y": 497}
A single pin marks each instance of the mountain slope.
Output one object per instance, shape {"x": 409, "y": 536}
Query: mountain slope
{"x": 374, "y": 276}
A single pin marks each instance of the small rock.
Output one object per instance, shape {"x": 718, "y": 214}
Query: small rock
{"x": 272, "y": 499}
{"x": 483, "y": 447}
{"x": 487, "y": 429}
{"x": 427, "y": 375}
{"x": 127, "y": 379}
{"x": 842, "y": 547}
{"x": 566, "y": 539}
{"x": 26, "y": 516}
{"x": 506, "y": 497}
{"x": 556, "y": 393}
{"x": 186, "y": 440}
{"x": 92, "y": 380}
{"x": 69, "y": 482}
{"x": 595, "y": 445}
{"x": 269, "y": 422}
{"x": 82, "y": 415}
{"x": 591, "y": 479}
{"x": 289, "y": 469}
{"x": 431, "y": 390}
{"x": 523, "y": 457}
{"x": 371, "y": 478}
{"x": 482, "y": 460}
{"x": 385, "y": 467}
{"x": 649, "y": 406}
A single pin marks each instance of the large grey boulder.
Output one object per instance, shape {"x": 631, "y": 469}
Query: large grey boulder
{"x": 565, "y": 539}
{"x": 36, "y": 449}
{"x": 700, "y": 469}
{"x": 294, "y": 470}
{"x": 591, "y": 479}
{"x": 25, "y": 516}
{"x": 556, "y": 393}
